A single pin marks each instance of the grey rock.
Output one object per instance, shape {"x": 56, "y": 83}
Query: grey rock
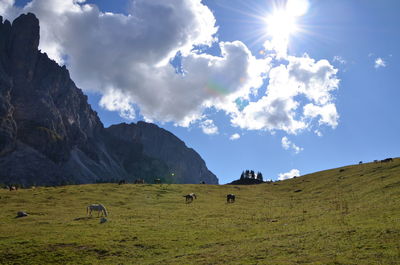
{"x": 186, "y": 164}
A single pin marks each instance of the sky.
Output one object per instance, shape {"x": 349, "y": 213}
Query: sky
{"x": 286, "y": 88}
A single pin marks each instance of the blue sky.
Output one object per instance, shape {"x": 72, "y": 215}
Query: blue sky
{"x": 357, "y": 42}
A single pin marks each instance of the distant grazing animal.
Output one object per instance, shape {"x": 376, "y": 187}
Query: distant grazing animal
{"x": 387, "y": 160}
{"x": 157, "y": 181}
{"x": 230, "y": 198}
{"x": 21, "y": 214}
{"x": 360, "y": 162}
{"x": 189, "y": 197}
{"x": 203, "y": 182}
{"x": 139, "y": 181}
{"x": 99, "y": 208}
{"x": 376, "y": 161}
{"x": 11, "y": 187}
{"x": 121, "y": 182}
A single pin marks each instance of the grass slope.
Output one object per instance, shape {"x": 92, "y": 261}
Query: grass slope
{"x": 349, "y": 215}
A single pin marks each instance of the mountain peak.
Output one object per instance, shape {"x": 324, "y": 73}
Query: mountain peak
{"x": 50, "y": 135}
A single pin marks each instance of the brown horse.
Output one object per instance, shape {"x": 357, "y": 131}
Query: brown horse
{"x": 230, "y": 198}
{"x": 189, "y": 197}
{"x": 122, "y": 181}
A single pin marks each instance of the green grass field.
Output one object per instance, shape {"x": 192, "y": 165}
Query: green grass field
{"x": 349, "y": 215}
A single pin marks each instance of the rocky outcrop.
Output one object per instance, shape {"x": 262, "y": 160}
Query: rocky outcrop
{"x": 49, "y": 134}
{"x": 185, "y": 163}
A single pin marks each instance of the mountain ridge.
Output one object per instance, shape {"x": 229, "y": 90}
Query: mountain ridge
{"x": 49, "y": 134}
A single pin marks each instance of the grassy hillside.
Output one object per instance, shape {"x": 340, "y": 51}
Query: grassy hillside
{"x": 349, "y": 215}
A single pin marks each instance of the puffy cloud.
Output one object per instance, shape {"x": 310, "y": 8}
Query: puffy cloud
{"x": 234, "y": 137}
{"x": 327, "y": 113}
{"x": 288, "y": 175}
{"x": 7, "y": 9}
{"x": 277, "y": 109}
{"x": 287, "y": 144}
{"x": 318, "y": 133}
{"x": 208, "y": 127}
{"x": 127, "y": 57}
{"x": 379, "y": 62}
{"x": 149, "y": 62}
{"x": 339, "y": 59}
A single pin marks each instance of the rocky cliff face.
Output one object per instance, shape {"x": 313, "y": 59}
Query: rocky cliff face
{"x": 49, "y": 134}
{"x": 185, "y": 163}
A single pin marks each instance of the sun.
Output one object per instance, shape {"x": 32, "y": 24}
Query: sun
{"x": 282, "y": 22}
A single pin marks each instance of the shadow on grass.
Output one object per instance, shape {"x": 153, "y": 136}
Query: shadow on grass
{"x": 83, "y": 218}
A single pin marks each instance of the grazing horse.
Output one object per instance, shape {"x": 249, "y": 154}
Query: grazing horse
{"x": 139, "y": 181}
{"x": 189, "y": 197}
{"x": 12, "y": 187}
{"x": 121, "y": 182}
{"x": 230, "y": 198}
{"x": 387, "y": 160}
{"x": 99, "y": 208}
{"x": 157, "y": 181}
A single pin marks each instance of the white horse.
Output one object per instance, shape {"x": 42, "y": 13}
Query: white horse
{"x": 189, "y": 197}
{"x": 99, "y": 208}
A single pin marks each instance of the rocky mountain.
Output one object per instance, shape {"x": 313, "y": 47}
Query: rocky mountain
{"x": 185, "y": 163}
{"x": 49, "y": 134}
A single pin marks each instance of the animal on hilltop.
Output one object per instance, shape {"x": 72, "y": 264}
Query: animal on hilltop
{"x": 139, "y": 181}
{"x": 122, "y": 181}
{"x": 387, "y": 160}
{"x": 99, "y": 208}
{"x": 157, "y": 181}
{"x": 12, "y": 187}
{"x": 230, "y": 198}
{"x": 189, "y": 197}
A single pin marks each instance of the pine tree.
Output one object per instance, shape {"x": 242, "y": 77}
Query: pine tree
{"x": 242, "y": 175}
{"x": 260, "y": 176}
{"x": 253, "y": 176}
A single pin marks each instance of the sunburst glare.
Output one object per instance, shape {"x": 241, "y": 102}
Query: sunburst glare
{"x": 282, "y": 22}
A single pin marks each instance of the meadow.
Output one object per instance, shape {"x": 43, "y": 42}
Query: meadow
{"x": 348, "y": 215}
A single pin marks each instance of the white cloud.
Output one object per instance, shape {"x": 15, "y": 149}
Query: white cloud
{"x": 318, "y": 133}
{"x": 129, "y": 55}
{"x": 278, "y": 108}
{"x": 208, "y": 127}
{"x": 327, "y": 113}
{"x": 234, "y": 136}
{"x": 287, "y": 144}
{"x": 379, "y": 62}
{"x": 288, "y": 175}
{"x": 8, "y": 10}
{"x": 126, "y": 59}
{"x": 339, "y": 59}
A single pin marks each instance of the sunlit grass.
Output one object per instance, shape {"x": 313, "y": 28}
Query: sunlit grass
{"x": 335, "y": 217}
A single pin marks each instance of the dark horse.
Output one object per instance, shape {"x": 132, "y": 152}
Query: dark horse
{"x": 189, "y": 197}
{"x": 230, "y": 198}
{"x": 387, "y": 160}
{"x": 122, "y": 181}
